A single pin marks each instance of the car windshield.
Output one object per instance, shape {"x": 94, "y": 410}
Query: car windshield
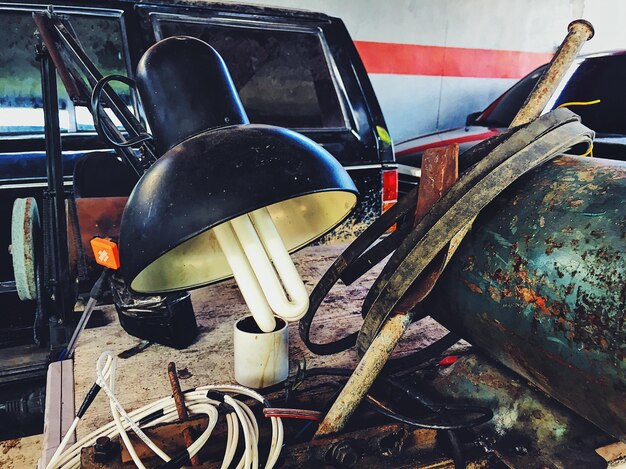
{"x": 594, "y": 90}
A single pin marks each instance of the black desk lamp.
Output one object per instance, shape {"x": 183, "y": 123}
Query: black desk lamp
{"x": 227, "y": 197}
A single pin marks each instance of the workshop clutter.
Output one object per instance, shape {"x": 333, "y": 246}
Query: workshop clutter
{"x": 230, "y": 198}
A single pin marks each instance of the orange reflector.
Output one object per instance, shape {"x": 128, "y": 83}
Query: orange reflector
{"x": 447, "y": 361}
{"x": 106, "y": 253}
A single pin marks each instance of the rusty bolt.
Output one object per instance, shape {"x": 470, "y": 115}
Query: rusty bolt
{"x": 342, "y": 455}
{"x": 103, "y": 449}
{"x": 392, "y": 444}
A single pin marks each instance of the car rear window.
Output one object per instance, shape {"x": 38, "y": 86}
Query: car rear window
{"x": 21, "y": 104}
{"x": 283, "y": 77}
{"x": 502, "y": 111}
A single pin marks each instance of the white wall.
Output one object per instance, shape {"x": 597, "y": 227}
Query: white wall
{"x": 414, "y": 104}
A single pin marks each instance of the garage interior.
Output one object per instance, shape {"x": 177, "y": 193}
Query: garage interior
{"x": 340, "y": 234}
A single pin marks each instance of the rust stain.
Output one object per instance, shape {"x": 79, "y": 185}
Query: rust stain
{"x": 473, "y": 287}
{"x": 495, "y": 294}
{"x": 552, "y": 245}
{"x": 530, "y": 296}
{"x": 575, "y": 203}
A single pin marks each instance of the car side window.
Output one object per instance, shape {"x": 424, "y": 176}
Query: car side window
{"x": 21, "y": 104}
{"x": 599, "y": 82}
{"x": 283, "y": 76}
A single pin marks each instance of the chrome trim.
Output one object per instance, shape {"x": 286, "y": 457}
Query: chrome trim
{"x": 363, "y": 166}
{"x": 356, "y": 167}
{"x": 86, "y": 11}
{"x": 30, "y": 185}
{"x": 409, "y": 170}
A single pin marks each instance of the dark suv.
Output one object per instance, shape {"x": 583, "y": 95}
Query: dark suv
{"x": 592, "y": 88}
{"x": 291, "y": 68}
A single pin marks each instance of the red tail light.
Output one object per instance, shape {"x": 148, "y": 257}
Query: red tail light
{"x": 390, "y": 188}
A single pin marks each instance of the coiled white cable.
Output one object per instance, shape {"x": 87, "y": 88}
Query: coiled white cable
{"x": 204, "y": 400}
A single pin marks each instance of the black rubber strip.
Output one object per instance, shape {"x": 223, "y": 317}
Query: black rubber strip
{"x": 367, "y": 250}
{"x": 347, "y": 258}
{"x": 215, "y": 395}
{"x": 150, "y": 418}
{"x": 488, "y": 157}
{"x": 375, "y": 254}
{"x": 178, "y": 461}
{"x": 526, "y": 148}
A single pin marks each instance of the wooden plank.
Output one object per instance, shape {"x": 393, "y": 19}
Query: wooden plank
{"x": 67, "y": 398}
{"x": 59, "y": 410}
{"x": 52, "y": 414}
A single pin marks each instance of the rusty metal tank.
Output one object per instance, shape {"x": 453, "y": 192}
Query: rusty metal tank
{"x": 540, "y": 284}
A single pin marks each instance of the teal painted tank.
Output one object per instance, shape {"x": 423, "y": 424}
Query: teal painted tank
{"x": 539, "y": 283}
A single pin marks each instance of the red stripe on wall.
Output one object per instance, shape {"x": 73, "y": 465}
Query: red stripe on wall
{"x": 414, "y": 59}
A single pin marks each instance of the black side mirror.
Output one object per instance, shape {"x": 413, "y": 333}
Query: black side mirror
{"x": 471, "y": 118}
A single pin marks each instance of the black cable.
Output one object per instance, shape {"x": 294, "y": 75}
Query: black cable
{"x": 484, "y": 414}
{"x": 359, "y": 250}
{"x": 457, "y": 450}
{"x": 455, "y": 445}
{"x": 95, "y": 110}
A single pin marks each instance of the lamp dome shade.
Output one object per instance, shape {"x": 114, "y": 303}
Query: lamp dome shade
{"x": 166, "y": 242}
{"x": 212, "y": 172}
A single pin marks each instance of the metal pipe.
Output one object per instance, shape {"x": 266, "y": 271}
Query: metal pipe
{"x": 540, "y": 285}
{"x": 55, "y": 237}
{"x": 580, "y": 31}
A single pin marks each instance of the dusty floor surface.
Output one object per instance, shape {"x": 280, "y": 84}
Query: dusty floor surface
{"x": 21, "y": 453}
{"x": 143, "y": 378}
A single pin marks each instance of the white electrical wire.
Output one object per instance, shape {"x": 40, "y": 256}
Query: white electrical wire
{"x": 198, "y": 401}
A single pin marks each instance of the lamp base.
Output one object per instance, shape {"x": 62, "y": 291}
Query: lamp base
{"x": 261, "y": 358}
{"x": 168, "y": 320}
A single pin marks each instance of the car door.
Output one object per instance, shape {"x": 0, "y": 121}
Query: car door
{"x": 22, "y": 156}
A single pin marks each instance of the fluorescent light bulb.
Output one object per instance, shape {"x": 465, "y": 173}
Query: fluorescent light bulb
{"x": 263, "y": 269}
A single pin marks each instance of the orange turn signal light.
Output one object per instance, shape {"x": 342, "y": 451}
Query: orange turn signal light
{"x": 106, "y": 253}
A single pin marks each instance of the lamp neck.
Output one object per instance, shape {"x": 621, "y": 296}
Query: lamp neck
{"x": 185, "y": 89}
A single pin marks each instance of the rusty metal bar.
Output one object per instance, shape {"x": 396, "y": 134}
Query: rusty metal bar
{"x": 439, "y": 173}
{"x": 580, "y": 31}
{"x": 365, "y": 374}
{"x": 179, "y": 400}
{"x": 381, "y": 347}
